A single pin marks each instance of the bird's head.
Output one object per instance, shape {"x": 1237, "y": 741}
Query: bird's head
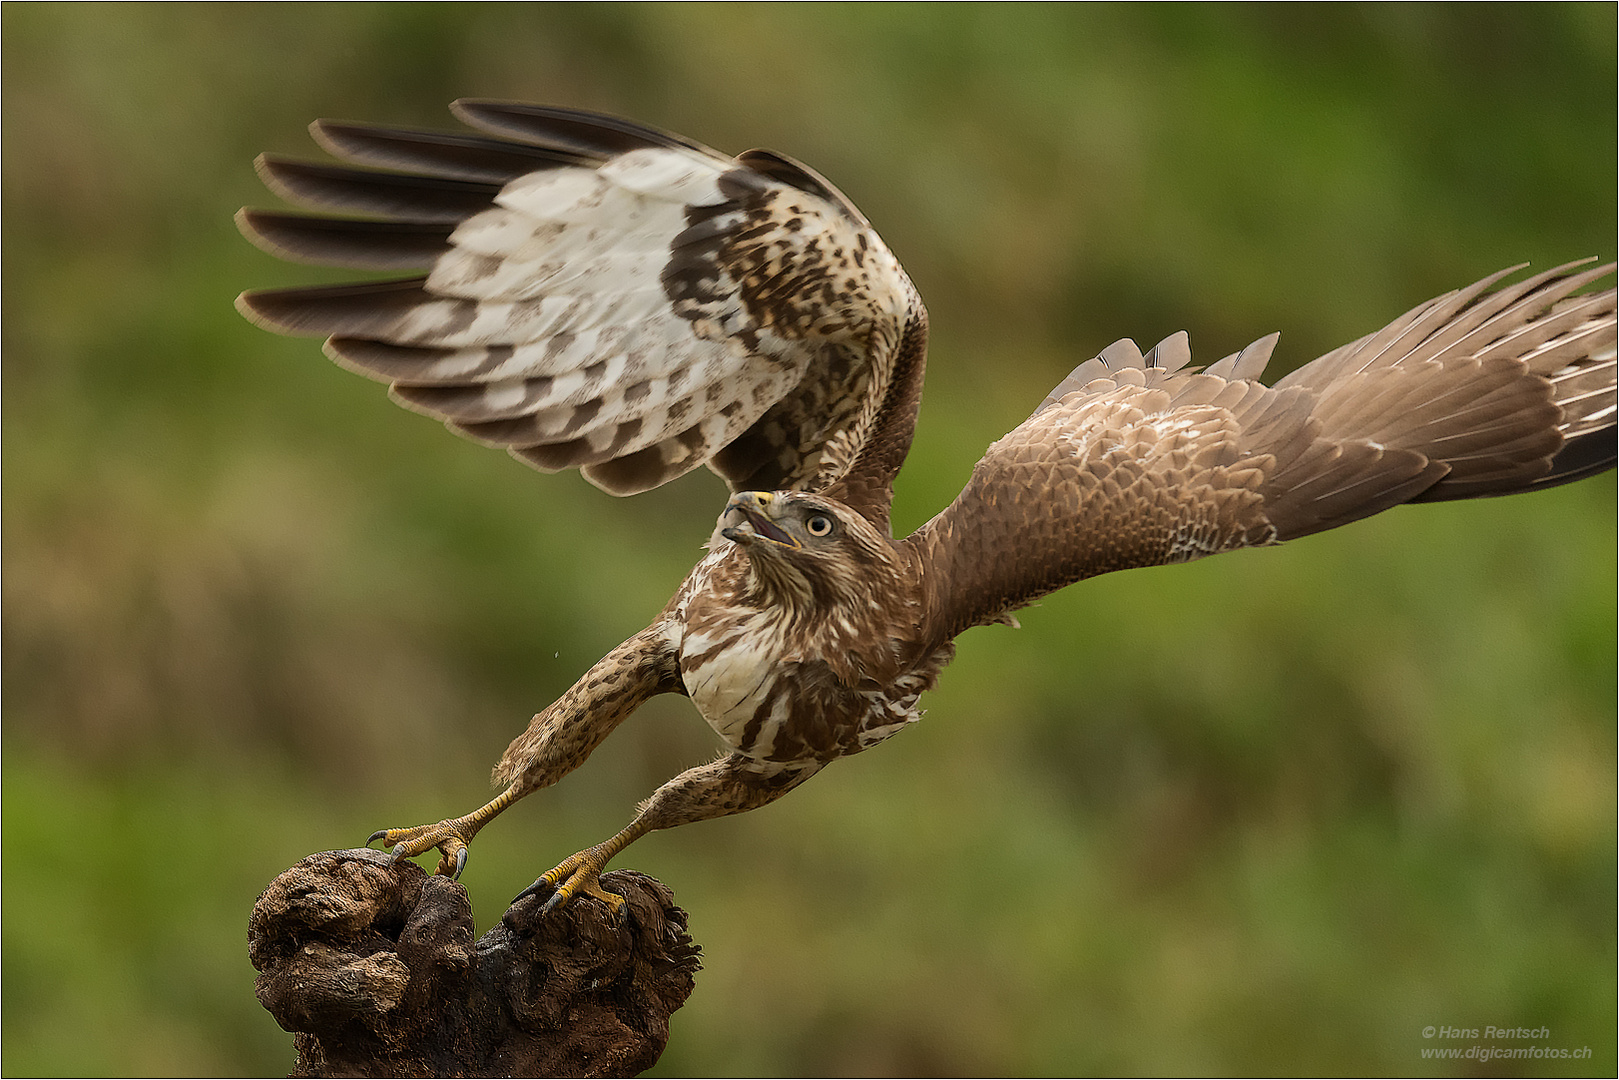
{"x": 807, "y": 550}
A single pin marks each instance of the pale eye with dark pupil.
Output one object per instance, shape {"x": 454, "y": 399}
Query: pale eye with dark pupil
{"x": 819, "y": 525}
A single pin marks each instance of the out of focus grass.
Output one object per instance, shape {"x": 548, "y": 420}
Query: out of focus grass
{"x": 1274, "y": 812}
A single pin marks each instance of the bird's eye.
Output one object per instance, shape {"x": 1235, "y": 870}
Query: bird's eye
{"x": 818, "y": 525}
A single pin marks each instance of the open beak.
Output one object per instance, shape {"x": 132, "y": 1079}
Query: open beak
{"x": 749, "y": 516}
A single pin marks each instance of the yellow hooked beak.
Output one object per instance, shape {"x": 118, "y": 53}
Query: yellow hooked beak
{"x": 751, "y": 516}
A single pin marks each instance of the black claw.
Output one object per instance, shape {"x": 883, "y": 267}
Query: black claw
{"x": 374, "y": 837}
{"x": 460, "y": 864}
{"x": 539, "y": 888}
{"x": 553, "y": 903}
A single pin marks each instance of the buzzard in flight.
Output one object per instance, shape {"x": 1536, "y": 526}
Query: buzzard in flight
{"x": 604, "y": 296}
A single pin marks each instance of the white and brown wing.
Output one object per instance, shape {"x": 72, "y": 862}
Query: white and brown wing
{"x": 600, "y": 295}
{"x": 1138, "y": 461}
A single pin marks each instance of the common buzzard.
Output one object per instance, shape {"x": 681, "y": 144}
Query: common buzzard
{"x": 604, "y": 296}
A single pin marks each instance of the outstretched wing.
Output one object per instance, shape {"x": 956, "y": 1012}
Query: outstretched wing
{"x": 1138, "y": 461}
{"x": 601, "y": 295}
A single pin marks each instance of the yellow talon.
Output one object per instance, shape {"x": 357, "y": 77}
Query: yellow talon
{"x": 451, "y": 836}
{"x": 579, "y": 873}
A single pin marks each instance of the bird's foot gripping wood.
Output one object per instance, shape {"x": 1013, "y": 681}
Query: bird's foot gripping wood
{"x": 451, "y": 836}
{"x": 580, "y": 873}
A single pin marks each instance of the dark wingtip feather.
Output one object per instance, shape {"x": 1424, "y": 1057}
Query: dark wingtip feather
{"x": 575, "y": 131}
{"x": 438, "y": 154}
{"x": 244, "y": 226}
{"x": 246, "y": 306}
{"x": 358, "y": 245}
{"x": 346, "y": 189}
{"x": 368, "y": 308}
{"x": 1582, "y": 456}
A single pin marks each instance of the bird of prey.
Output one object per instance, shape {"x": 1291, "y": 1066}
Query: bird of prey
{"x": 592, "y": 293}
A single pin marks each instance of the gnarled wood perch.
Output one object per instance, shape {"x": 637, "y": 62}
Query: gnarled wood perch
{"x": 372, "y": 965}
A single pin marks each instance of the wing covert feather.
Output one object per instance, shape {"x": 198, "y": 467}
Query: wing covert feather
{"x": 1106, "y": 478}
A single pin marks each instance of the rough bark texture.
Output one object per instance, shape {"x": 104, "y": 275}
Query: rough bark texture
{"x": 372, "y": 965}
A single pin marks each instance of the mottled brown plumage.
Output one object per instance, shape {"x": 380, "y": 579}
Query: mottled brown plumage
{"x": 605, "y": 296}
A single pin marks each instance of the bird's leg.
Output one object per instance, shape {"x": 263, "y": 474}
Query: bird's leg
{"x": 557, "y": 741}
{"x": 730, "y": 785}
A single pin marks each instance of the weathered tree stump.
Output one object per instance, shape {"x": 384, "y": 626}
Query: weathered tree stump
{"x": 371, "y": 964}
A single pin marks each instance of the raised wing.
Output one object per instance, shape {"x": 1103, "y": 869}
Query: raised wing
{"x": 1138, "y": 461}
{"x": 604, "y": 296}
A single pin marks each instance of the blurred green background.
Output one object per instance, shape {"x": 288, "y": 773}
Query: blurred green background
{"x": 1275, "y": 812}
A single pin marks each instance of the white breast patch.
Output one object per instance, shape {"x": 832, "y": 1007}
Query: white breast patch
{"x": 729, "y": 686}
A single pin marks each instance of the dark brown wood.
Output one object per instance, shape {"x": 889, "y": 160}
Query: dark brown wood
{"x": 372, "y": 965}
